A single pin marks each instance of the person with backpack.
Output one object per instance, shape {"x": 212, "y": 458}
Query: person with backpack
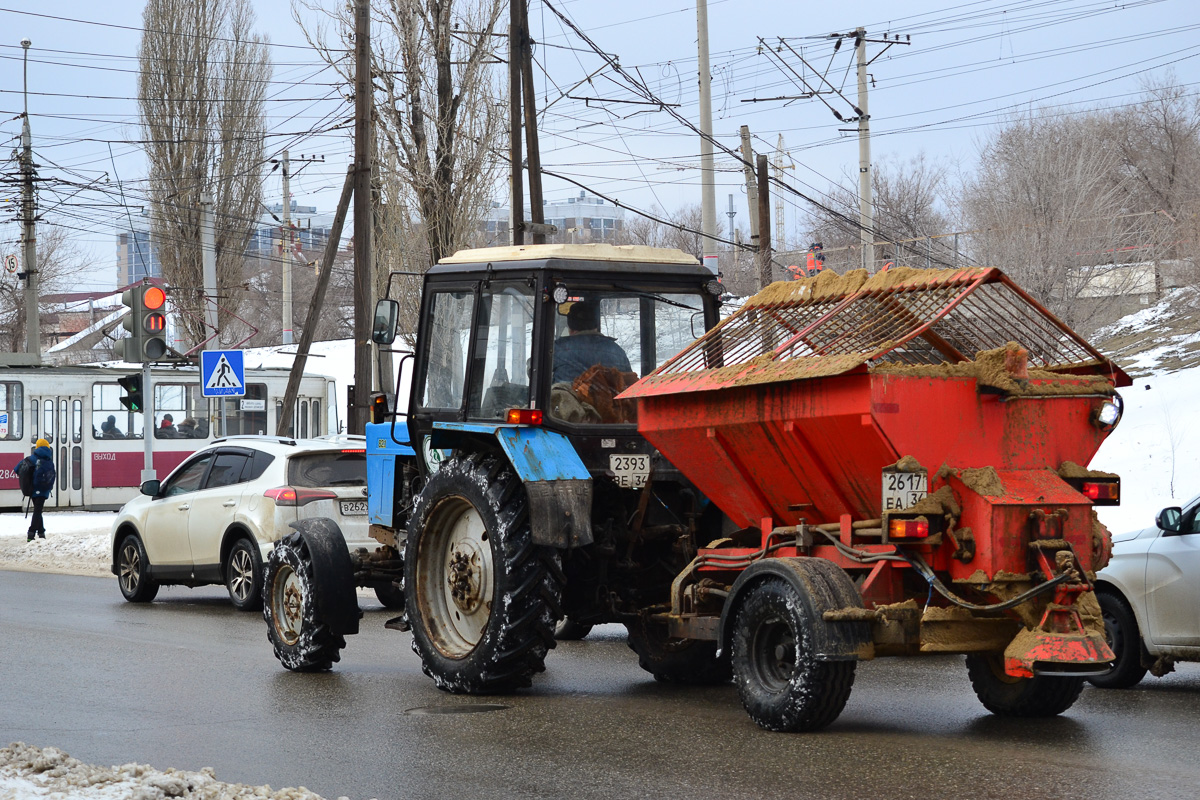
{"x": 36, "y": 475}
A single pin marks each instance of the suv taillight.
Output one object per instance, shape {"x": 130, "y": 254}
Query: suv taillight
{"x": 289, "y": 496}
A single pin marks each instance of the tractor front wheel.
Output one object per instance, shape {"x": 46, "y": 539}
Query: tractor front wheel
{"x": 1006, "y": 696}
{"x": 782, "y": 683}
{"x": 481, "y": 599}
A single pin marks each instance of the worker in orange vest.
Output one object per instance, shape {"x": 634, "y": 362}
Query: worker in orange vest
{"x": 816, "y": 260}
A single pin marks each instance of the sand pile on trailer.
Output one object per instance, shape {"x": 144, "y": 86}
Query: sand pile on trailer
{"x": 1005, "y": 369}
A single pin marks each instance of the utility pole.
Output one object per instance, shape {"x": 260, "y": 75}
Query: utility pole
{"x": 751, "y": 184}
{"x": 708, "y": 189}
{"x": 514, "y": 122}
{"x": 866, "y": 216}
{"x": 33, "y": 322}
{"x": 363, "y": 218}
{"x": 314, "y": 308}
{"x": 537, "y": 210}
{"x": 212, "y": 319}
{"x": 764, "y": 223}
{"x": 285, "y": 261}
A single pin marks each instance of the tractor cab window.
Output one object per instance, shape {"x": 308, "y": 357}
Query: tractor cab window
{"x": 502, "y": 352}
{"x": 449, "y": 340}
{"x": 607, "y": 339}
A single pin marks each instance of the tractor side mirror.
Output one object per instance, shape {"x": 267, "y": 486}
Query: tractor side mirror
{"x": 1169, "y": 518}
{"x": 383, "y": 331}
{"x": 698, "y": 325}
{"x": 150, "y": 488}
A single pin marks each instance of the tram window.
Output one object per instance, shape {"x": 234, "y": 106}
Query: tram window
{"x": 110, "y": 419}
{"x": 77, "y": 421}
{"x": 179, "y": 411}
{"x": 48, "y": 421}
{"x": 62, "y": 423}
{"x": 243, "y": 415}
{"x": 12, "y": 410}
{"x": 33, "y": 420}
{"x": 316, "y": 417}
{"x": 291, "y": 429}
{"x": 303, "y": 419}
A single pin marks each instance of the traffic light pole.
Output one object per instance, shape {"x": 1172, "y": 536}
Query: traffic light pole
{"x": 147, "y": 424}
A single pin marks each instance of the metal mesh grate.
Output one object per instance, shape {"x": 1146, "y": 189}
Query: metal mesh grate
{"x": 921, "y": 317}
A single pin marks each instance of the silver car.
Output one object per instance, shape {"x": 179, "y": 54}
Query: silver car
{"x": 216, "y": 516}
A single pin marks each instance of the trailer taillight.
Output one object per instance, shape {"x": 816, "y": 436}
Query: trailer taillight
{"x": 908, "y": 529}
{"x": 524, "y": 416}
{"x": 1102, "y": 492}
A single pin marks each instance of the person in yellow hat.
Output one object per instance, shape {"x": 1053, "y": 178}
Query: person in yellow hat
{"x": 37, "y": 483}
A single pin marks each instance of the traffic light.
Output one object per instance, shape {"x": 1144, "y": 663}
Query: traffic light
{"x": 132, "y": 384}
{"x": 146, "y": 323}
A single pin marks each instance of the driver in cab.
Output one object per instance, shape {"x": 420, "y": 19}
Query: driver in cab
{"x": 585, "y": 346}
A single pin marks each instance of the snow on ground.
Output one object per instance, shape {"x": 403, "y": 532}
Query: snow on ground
{"x": 76, "y": 543}
{"x": 32, "y": 773}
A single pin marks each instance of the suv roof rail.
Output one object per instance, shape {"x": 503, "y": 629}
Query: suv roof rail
{"x": 340, "y": 437}
{"x": 255, "y": 437}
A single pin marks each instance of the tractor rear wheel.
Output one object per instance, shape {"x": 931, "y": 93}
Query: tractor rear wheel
{"x": 1006, "y": 696}
{"x": 782, "y": 684}
{"x": 687, "y": 661}
{"x": 481, "y": 599}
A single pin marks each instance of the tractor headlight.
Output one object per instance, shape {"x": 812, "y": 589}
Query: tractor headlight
{"x": 714, "y": 288}
{"x": 560, "y": 293}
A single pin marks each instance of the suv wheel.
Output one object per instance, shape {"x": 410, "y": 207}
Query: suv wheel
{"x": 133, "y": 570}
{"x": 244, "y": 576}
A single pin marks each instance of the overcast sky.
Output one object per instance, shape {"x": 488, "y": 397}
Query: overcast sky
{"x": 969, "y": 65}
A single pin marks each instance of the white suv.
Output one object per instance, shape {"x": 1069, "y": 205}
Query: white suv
{"x": 217, "y": 515}
{"x": 1150, "y": 597}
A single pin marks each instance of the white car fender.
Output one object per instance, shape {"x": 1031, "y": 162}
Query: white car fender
{"x": 1125, "y": 574}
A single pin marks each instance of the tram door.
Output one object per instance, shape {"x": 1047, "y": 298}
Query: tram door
{"x": 59, "y": 420}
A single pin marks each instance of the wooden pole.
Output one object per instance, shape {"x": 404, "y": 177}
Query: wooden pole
{"x": 764, "y": 223}
{"x": 314, "y": 307}
{"x": 363, "y": 218}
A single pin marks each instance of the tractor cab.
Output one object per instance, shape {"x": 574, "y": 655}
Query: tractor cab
{"x": 549, "y": 335}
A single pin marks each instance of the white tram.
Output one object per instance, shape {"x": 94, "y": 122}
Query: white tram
{"x": 99, "y": 449}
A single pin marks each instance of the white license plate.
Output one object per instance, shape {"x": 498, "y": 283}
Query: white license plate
{"x": 354, "y": 508}
{"x": 629, "y": 471}
{"x": 904, "y": 489}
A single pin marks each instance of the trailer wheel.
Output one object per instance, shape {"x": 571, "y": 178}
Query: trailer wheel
{"x": 390, "y": 597}
{"x": 691, "y": 662}
{"x": 782, "y": 684}
{"x": 133, "y": 571}
{"x": 302, "y": 640}
{"x": 568, "y": 630}
{"x": 1121, "y": 632}
{"x": 1006, "y": 696}
{"x": 482, "y": 599}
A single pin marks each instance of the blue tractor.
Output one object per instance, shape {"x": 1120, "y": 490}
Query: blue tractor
{"x": 514, "y": 492}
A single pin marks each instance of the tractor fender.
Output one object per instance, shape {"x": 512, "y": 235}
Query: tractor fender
{"x": 333, "y": 574}
{"x": 556, "y": 481}
{"x": 821, "y": 586}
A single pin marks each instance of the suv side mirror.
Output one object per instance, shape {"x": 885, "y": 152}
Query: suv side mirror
{"x": 383, "y": 331}
{"x": 1169, "y": 518}
{"x": 150, "y": 488}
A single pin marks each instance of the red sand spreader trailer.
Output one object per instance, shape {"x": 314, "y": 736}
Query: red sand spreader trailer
{"x": 902, "y": 454}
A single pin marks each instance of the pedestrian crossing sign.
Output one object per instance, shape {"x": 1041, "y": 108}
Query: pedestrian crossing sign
{"x": 222, "y": 373}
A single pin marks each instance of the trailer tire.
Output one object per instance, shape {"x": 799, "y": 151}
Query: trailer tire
{"x": 568, "y": 630}
{"x": 481, "y": 598}
{"x": 1121, "y": 632}
{"x": 302, "y": 639}
{"x": 691, "y": 662}
{"x": 1006, "y": 696}
{"x": 390, "y": 597}
{"x": 782, "y": 684}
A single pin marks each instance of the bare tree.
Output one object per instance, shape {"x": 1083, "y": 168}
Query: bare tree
{"x": 439, "y": 122}
{"x": 60, "y": 264}
{"x": 203, "y": 78}
{"x": 912, "y": 205}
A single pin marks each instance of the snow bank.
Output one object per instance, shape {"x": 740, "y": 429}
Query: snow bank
{"x": 28, "y": 772}
{"x": 76, "y": 543}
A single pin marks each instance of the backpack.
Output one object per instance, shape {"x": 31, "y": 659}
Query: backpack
{"x": 25, "y": 476}
{"x": 44, "y": 475}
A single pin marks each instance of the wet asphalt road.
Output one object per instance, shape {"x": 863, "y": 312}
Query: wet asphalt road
{"x": 188, "y": 682}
